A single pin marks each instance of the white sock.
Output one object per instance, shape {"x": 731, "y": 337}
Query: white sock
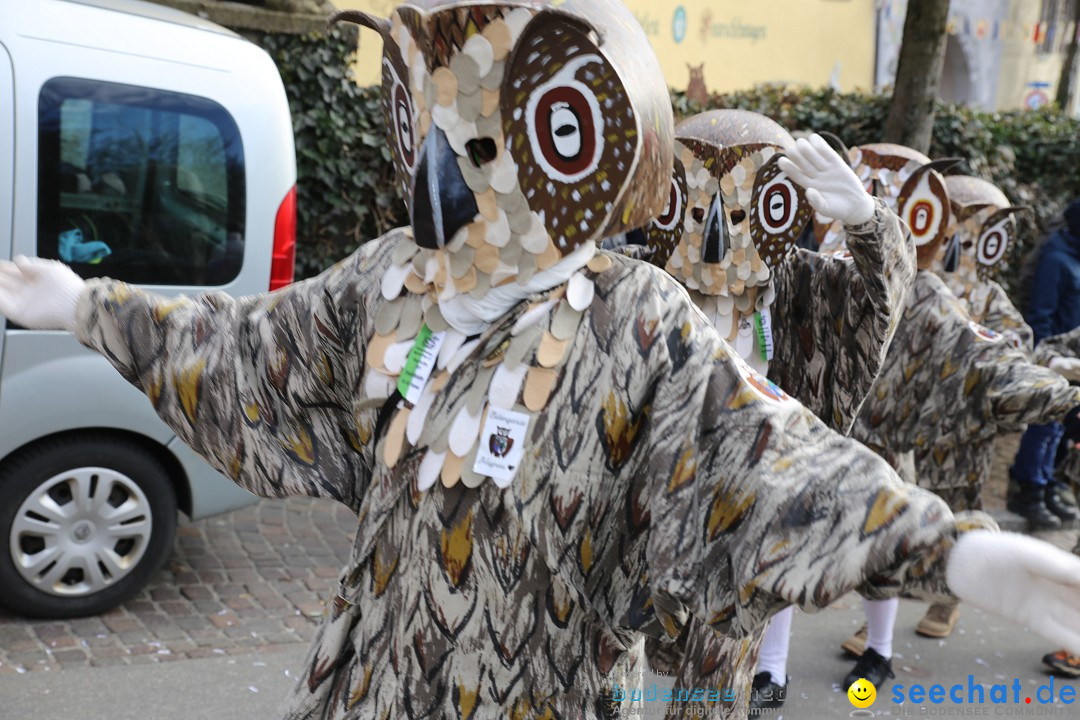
{"x": 880, "y": 618}
{"x": 774, "y": 648}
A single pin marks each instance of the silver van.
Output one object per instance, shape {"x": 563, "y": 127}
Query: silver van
{"x": 148, "y": 145}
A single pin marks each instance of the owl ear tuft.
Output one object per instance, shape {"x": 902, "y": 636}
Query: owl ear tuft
{"x": 941, "y": 165}
{"x": 837, "y": 144}
{"x": 378, "y": 24}
{"x": 1009, "y": 211}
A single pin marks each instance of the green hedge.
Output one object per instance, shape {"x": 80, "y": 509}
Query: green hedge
{"x": 345, "y": 177}
{"x": 346, "y": 192}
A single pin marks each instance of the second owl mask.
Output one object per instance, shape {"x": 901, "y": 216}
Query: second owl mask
{"x": 734, "y": 214}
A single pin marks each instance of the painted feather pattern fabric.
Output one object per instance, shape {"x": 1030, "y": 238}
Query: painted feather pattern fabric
{"x": 949, "y": 386}
{"x": 832, "y": 319}
{"x": 663, "y": 478}
{"x": 988, "y": 304}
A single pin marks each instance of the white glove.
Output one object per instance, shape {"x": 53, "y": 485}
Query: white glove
{"x": 832, "y": 187}
{"x": 1022, "y": 579}
{"x": 39, "y": 294}
{"x": 1066, "y": 367}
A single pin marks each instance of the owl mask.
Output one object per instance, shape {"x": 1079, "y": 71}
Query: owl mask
{"x": 741, "y": 215}
{"x": 982, "y": 232}
{"x": 520, "y": 131}
{"x": 911, "y": 185}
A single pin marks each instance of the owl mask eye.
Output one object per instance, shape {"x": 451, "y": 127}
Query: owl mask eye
{"x": 565, "y": 125}
{"x": 995, "y": 240}
{"x": 663, "y": 233}
{"x": 924, "y": 205}
{"x": 402, "y": 120}
{"x": 671, "y": 217}
{"x": 575, "y": 134}
{"x": 778, "y": 213}
{"x": 777, "y": 205}
{"x": 992, "y": 244}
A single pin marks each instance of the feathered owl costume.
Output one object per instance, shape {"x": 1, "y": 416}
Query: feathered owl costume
{"x": 538, "y": 491}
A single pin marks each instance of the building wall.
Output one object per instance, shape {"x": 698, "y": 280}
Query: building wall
{"x": 738, "y": 43}
{"x": 1024, "y": 68}
{"x": 992, "y": 59}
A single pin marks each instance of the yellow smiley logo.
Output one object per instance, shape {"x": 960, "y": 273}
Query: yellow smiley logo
{"x": 862, "y": 693}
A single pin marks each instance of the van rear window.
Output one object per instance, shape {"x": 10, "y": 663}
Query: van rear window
{"x": 141, "y": 185}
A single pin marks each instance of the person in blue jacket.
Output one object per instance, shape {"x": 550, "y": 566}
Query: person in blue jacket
{"x": 1053, "y": 308}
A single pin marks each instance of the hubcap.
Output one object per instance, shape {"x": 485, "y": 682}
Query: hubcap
{"x": 81, "y": 531}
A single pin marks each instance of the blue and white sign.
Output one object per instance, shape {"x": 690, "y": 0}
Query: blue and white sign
{"x": 678, "y": 24}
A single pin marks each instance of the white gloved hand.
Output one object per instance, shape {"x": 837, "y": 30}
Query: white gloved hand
{"x": 1022, "y": 579}
{"x": 832, "y": 187}
{"x": 1066, "y": 367}
{"x": 39, "y": 294}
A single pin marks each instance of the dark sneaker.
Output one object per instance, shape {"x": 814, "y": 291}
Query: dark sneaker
{"x": 1030, "y": 502}
{"x": 1062, "y": 663}
{"x": 766, "y": 695}
{"x": 1057, "y": 502}
{"x": 871, "y": 667}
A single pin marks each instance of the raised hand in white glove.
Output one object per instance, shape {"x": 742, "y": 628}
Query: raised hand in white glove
{"x": 39, "y": 294}
{"x": 1022, "y": 579}
{"x": 832, "y": 187}
{"x": 1066, "y": 367}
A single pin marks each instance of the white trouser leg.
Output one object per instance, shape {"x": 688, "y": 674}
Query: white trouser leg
{"x": 880, "y": 618}
{"x": 774, "y": 649}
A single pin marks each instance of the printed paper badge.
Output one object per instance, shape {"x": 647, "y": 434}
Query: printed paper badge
{"x": 761, "y": 385}
{"x": 502, "y": 445}
{"x": 984, "y": 333}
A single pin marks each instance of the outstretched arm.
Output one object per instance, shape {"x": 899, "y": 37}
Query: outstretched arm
{"x": 1061, "y": 353}
{"x": 798, "y": 514}
{"x": 265, "y": 388}
{"x": 1015, "y": 391}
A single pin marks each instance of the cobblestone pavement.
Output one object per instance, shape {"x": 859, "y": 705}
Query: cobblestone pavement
{"x": 252, "y": 580}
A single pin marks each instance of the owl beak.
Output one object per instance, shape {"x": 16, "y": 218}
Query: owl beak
{"x": 952, "y": 254}
{"x": 442, "y": 202}
{"x": 715, "y": 241}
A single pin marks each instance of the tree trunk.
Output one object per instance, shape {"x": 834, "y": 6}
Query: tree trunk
{"x": 1068, "y": 68}
{"x": 918, "y": 73}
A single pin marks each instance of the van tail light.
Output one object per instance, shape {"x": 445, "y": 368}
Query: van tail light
{"x": 283, "y": 265}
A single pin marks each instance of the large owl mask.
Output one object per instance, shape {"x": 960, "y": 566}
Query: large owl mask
{"x": 911, "y": 185}
{"x": 740, "y": 214}
{"x": 521, "y": 130}
{"x": 983, "y": 230}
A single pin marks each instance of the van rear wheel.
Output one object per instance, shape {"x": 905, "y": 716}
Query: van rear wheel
{"x": 88, "y": 521}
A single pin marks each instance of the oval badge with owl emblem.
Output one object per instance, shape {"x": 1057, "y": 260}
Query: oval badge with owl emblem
{"x": 500, "y": 442}
{"x": 762, "y": 386}
{"x": 984, "y": 333}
